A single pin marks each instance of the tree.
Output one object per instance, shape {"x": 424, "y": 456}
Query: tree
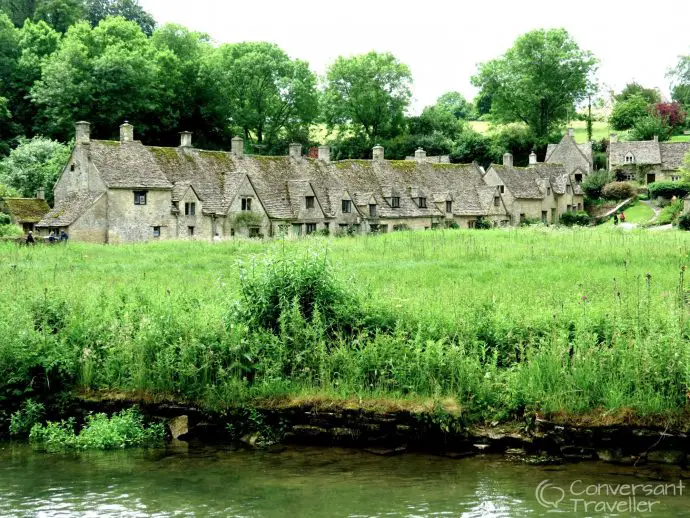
{"x": 455, "y": 104}
{"x": 367, "y": 94}
{"x": 627, "y": 112}
{"x": 34, "y": 164}
{"x": 8, "y": 192}
{"x": 258, "y": 91}
{"x": 538, "y": 80}
{"x": 19, "y": 10}
{"x": 680, "y": 82}
{"x": 650, "y": 126}
{"x": 59, "y": 14}
{"x": 651, "y": 95}
{"x": 672, "y": 114}
{"x": 97, "y": 10}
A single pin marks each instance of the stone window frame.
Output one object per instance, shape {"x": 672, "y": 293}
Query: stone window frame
{"x": 502, "y": 189}
{"x": 422, "y": 202}
{"x": 190, "y": 208}
{"x": 449, "y": 206}
{"x": 497, "y": 201}
{"x": 629, "y": 158}
{"x": 140, "y": 197}
{"x": 395, "y": 202}
{"x": 190, "y": 230}
{"x": 373, "y": 210}
{"x": 310, "y": 202}
{"x": 246, "y": 204}
{"x": 309, "y": 228}
{"x": 156, "y": 232}
{"x": 346, "y": 206}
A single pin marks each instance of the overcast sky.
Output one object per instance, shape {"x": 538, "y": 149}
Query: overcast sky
{"x": 442, "y": 41}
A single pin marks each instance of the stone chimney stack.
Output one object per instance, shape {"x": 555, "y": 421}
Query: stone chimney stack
{"x": 377, "y": 152}
{"x": 508, "y": 160}
{"x": 41, "y": 194}
{"x": 571, "y": 132}
{"x": 420, "y": 155}
{"x": 82, "y": 132}
{"x": 613, "y": 137}
{"x": 295, "y": 150}
{"x": 237, "y": 147}
{"x": 126, "y": 132}
{"x": 656, "y": 138}
{"x": 532, "y": 158}
{"x": 186, "y": 139}
{"x": 325, "y": 153}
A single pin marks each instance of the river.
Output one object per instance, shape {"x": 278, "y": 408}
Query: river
{"x": 315, "y": 482}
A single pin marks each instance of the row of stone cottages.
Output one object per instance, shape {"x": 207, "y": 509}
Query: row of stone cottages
{"x": 124, "y": 191}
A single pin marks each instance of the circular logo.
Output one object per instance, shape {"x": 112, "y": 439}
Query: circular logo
{"x": 549, "y": 495}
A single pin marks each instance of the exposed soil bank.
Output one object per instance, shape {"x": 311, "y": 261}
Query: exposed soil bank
{"x": 620, "y": 438}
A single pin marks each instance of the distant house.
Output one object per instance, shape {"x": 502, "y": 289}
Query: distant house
{"x": 646, "y": 160}
{"x": 25, "y": 212}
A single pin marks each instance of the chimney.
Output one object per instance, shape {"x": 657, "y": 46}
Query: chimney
{"x": 377, "y": 152}
{"x": 656, "y": 138}
{"x": 41, "y": 194}
{"x": 532, "y": 158}
{"x": 186, "y": 139}
{"x": 614, "y": 137}
{"x": 295, "y": 150}
{"x": 571, "y": 132}
{"x": 420, "y": 155}
{"x": 82, "y": 132}
{"x": 325, "y": 153}
{"x": 237, "y": 147}
{"x": 508, "y": 160}
{"x": 126, "y": 132}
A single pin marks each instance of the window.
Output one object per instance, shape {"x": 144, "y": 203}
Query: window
{"x": 190, "y": 209}
{"x": 395, "y": 202}
{"x": 254, "y": 232}
{"x": 522, "y": 218}
{"x": 156, "y": 231}
{"x": 311, "y": 228}
{"x": 297, "y": 229}
{"x": 347, "y": 206}
{"x": 327, "y": 226}
{"x": 449, "y": 206}
{"x": 675, "y": 178}
{"x": 544, "y": 216}
{"x": 472, "y": 223}
{"x": 139, "y": 197}
{"x": 71, "y": 167}
{"x": 502, "y": 189}
{"x": 190, "y": 231}
{"x": 497, "y": 201}
{"x": 578, "y": 178}
{"x": 629, "y": 158}
{"x": 246, "y": 204}
{"x": 310, "y": 202}
{"x": 372, "y": 210}
{"x": 579, "y": 206}
{"x": 422, "y": 203}
{"x": 374, "y": 229}
{"x": 283, "y": 230}
{"x": 548, "y": 191}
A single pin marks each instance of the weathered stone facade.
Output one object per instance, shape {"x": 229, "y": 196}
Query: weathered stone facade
{"x": 124, "y": 191}
{"x": 646, "y": 160}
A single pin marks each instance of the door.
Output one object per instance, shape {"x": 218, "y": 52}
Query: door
{"x": 651, "y": 178}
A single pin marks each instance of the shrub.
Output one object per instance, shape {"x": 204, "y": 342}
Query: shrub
{"x": 4, "y": 219}
{"x": 527, "y": 222}
{"x": 669, "y": 189}
{"x": 670, "y": 213}
{"x": 482, "y": 223}
{"x": 684, "y": 221}
{"x": 26, "y": 417}
{"x": 594, "y": 183}
{"x": 570, "y": 219}
{"x": 401, "y": 227}
{"x": 10, "y": 231}
{"x": 618, "y": 191}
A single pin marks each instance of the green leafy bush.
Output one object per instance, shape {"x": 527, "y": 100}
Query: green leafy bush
{"x": 669, "y": 189}
{"x": 30, "y": 413}
{"x": 528, "y": 222}
{"x": 684, "y": 221}
{"x": 10, "y": 231}
{"x": 482, "y": 223}
{"x": 618, "y": 191}
{"x": 594, "y": 183}
{"x": 670, "y": 213}
{"x": 125, "y": 429}
{"x": 580, "y": 218}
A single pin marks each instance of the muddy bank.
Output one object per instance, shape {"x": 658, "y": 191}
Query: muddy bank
{"x": 535, "y": 440}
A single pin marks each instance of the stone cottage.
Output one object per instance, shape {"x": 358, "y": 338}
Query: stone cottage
{"x": 575, "y": 158}
{"x": 646, "y": 160}
{"x": 25, "y": 212}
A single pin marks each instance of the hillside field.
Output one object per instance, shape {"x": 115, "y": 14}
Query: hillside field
{"x": 500, "y": 322}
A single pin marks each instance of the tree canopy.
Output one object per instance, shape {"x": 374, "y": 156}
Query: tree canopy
{"x": 680, "y": 82}
{"x": 538, "y": 81}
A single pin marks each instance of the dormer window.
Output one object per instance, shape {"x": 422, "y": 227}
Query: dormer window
{"x": 502, "y": 189}
{"x": 309, "y": 202}
{"x": 190, "y": 209}
{"x": 449, "y": 206}
{"x": 422, "y": 203}
{"x": 629, "y": 158}
{"x": 246, "y": 204}
{"x": 372, "y": 210}
{"x": 497, "y": 201}
{"x": 347, "y": 206}
{"x": 578, "y": 178}
{"x": 395, "y": 202}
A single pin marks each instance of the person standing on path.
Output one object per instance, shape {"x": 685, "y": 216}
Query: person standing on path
{"x": 615, "y": 218}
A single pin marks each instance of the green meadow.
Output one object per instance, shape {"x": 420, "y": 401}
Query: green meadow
{"x": 494, "y": 323}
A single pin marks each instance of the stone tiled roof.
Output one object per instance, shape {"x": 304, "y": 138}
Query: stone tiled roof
{"x": 68, "y": 210}
{"x": 644, "y": 151}
{"x": 521, "y": 182}
{"x": 127, "y": 165}
{"x": 672, "y": 154}
{"x": 439, "y": 159}
{"x": 26, "y": 210}
{"x": 554, "y": 173}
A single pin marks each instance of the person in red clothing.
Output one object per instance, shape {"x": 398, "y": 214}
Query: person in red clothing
{"x": 622, "y": 217}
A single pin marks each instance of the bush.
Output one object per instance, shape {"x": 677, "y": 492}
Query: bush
{"x": 618, "y": 191}
{"x": 669, "y": 189}
{"x": 581, "y": 219}
{"x": 528, "y": 222}
{"x": 684, "y": 221}
{"x": 670, "y": 213}
{"x": 482, "y": 223}
{"x": 10, "y": 231}
{"x": 26, "y": 417}
{"x": 594, "y": 183}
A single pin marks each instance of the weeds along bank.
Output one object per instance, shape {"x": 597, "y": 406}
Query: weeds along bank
{"x": 502, "y": 322}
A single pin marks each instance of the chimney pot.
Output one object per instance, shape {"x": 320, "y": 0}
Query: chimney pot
{"x": 186, "y": 139}
{"x": 508, "y": 160}
{"x": 420, "y": 155}
{"x": 656, "y": 138}
{"x": 237, "y": 147}
{"x": 296, "y": 150}
{"x": 377, "y": 152}
{"x": 532, "y": 158}
{"x": 325, "y": 153}
{"x": 82, "y": 132}
{"x": 41, "y": 194}
{"x": 614, "y": 137}
{"x": 571, "y": 132}
{"x": 126, "y": 132}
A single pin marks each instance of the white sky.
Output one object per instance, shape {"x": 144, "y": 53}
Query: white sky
{"x": 443, "y": 41}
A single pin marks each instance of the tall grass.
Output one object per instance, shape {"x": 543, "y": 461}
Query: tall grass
{"x": 502, "y": 321}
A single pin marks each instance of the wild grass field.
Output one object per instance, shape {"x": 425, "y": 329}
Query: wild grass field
{"x": 499, "y": 322}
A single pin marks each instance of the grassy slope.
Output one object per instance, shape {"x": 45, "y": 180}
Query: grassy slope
{"x": 151, "y": 318}
{"x": 638, "y": 214}
{"x": 600, "y": 130}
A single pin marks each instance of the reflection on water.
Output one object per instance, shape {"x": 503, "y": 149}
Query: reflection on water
{"x": 302, "y": 482}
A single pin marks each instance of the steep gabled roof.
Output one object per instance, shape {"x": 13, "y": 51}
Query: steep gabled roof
{"x": 67, "y": 211}
{"x": 646, "y": 152}
{"x": 127, "y": 165}
{"x": 672, "y": 154}
{"x": 554, "y": 173}
{"x": 26, "y": 210}
{"x": 521, "y": 182}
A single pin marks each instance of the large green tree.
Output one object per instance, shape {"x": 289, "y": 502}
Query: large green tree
{"x": 367, "y": 94}
{"x": 59, "y": 14}
{"x": 627, "y": 111}
{"x": 680, "y": 82}
{"x": 258, "y": 91}
{"x": 19, "y": 10}
{"x": 97, "y": 10}
{"x": 651, "y": 95}
{"x": 538, "y": 81}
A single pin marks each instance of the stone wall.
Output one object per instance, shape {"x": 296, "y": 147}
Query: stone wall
{"x": 128, "y": 222}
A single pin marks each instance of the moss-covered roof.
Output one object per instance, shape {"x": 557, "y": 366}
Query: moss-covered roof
{"x": 26, "y": 210}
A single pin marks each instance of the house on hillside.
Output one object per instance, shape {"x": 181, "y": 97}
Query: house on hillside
{"x": 540, "y": 191}
{"x": 646, "y": 160}
{"x": 25, "y": 212}
{"x": 124, "y": 191}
